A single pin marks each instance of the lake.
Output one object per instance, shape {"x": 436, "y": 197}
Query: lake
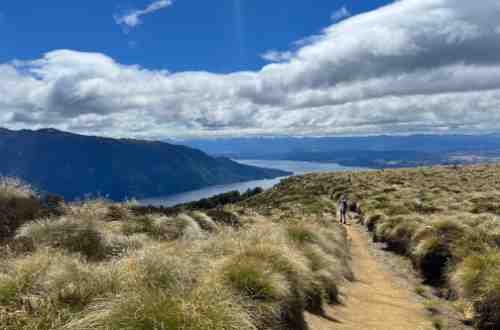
{"x": 295, "y": 167}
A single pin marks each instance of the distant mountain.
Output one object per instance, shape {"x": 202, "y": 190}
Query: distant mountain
{"x": 373, "y": 151}
{"x": 75, "y": 165}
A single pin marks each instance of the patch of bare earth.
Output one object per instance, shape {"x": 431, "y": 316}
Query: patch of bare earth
{"x": 375, "y": 300}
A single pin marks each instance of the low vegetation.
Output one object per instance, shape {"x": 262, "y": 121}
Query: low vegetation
{"x": 256, "y": 264}
{"x": 445, "y": 219}
{"x": 210, "y": 203}
{"x": 98, "y": 265}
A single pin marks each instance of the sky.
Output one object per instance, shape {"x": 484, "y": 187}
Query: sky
{"x": 185, "y": 68}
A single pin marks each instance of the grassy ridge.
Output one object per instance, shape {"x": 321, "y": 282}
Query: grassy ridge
{"x": 100, "y": 266}
{"x": 258, "y": 264}
{"x": 445, "y": 219}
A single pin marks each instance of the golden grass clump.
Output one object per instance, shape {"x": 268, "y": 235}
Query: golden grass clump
{"x": 204, "y": 221}
{"x": 477, "y": 279}
{"x": 71, "y": 234}
{"x": 161, "y": 227}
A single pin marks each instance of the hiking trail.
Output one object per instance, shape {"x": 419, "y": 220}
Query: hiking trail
{"x": 373, "y": 301}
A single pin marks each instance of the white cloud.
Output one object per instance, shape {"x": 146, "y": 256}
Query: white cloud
{"x": 132, "y": 18}
{"x": 340, "y": 14}
{"x": 276, "y": 56}
{"x": 411, "y": 67}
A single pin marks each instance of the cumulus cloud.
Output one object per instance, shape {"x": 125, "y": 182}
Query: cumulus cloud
{"x": 415, "y": 66}
{"x": 340, "y": 14}
{"x": 132, "y": 18}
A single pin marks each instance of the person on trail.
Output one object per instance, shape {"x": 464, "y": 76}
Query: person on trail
{"x": 343, "y": 208}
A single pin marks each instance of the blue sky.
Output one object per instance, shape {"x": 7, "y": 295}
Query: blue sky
{"x": 216, "y": 36}
{"x": 160, "y": 69}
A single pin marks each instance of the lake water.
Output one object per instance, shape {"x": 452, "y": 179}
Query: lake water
{"x": 297, "y": 168}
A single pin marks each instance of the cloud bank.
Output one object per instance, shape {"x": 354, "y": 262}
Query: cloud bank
{"x": 132, "y": 18}
{"x": 411, "y": 67}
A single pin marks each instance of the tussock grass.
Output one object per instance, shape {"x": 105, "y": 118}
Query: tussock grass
{"x": 204, "y": 221}
{"x": 477, "y": 279}
{"x": 256, "y": 279}
{"x": 73, "y": 235}
{"x": 18, "y": 204}
{"x": 100, "y": 266}
{"x": 438, "y": 217}
{"x": 161, "y": 227}
{"x": 445, "y": 220}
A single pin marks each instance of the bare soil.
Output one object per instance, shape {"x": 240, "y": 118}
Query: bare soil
{"x": 375, "y": 299}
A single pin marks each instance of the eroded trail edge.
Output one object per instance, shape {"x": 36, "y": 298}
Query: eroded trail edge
{"x": 374, "y": 300}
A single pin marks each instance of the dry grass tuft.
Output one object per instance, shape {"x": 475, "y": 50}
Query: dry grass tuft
{"x": 18, "y": 204}
{"x": 70, "y": 234}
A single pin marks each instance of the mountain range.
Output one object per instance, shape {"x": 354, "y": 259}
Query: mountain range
{"x": 75, "y": 166}
{"x": 370, "y": 151}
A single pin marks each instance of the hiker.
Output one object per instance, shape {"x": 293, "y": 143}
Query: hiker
{"x": 343, "y": 208}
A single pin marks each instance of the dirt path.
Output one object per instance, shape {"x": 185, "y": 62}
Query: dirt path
{"x": 373, "y": 301}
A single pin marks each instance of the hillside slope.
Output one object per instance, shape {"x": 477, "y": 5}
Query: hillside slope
{"x": 102, "y": 266}
{"x": 277, "y": 260}
{"x": 74, "y": 165}
{"x": 445, "y": 220}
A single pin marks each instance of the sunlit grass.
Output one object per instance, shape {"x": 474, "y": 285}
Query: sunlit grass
{"x": 100, "y": 267}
